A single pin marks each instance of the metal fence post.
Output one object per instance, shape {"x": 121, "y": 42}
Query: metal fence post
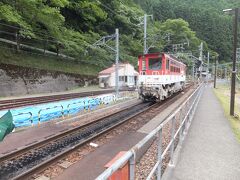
{"x": 132, "y": 167}
{"x": 84, "y": 106}
{"x": 192, "y": 111}
{"x": 39, "y": 116}
{"x": 185, "y": 122}
{"x": 103, "y": 101}
{"x": 89, "y": 108}
{"x": 31, "y": 118}
{"x": 159, "y": 169}
{"x": 180, "y": 120}
{"x": 62, "y": 111}
{"x": 68, "y": 110}
{"x": 172, "y": 138}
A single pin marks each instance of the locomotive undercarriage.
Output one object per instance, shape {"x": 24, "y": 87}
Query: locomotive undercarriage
{"x": 159, "y": 92}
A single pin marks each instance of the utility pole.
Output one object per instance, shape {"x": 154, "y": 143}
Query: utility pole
{"x": 233, "y": 79}
{"x": 17, "y": 41}
{"x": 215, "y": 74}
{"x": 145, "y": 46}
{"x": 201, "y": 59}
{"x": 232, "y": 101}
{"x": 117, "y": 59}
{"x": 193, "y": 69}
{"x": 201, "y": 52}
{"x": 145, "y": 34}
{"x": 238, "y": 54}
{"x": 103, "y": 42}
{"x": 225, "y": 72}
{"x": 208, "y": 57}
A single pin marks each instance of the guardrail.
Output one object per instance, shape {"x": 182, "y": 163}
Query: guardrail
{"x": 186, "y": 112}
{"x": 54, "y": 107}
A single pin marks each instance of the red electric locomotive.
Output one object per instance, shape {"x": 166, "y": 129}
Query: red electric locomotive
{"x": 160, "y": 75}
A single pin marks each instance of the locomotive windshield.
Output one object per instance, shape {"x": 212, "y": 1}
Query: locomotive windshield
{"x": 155, "y": 64}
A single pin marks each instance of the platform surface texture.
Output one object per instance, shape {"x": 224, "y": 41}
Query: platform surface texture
{"x": 210, "y": 150}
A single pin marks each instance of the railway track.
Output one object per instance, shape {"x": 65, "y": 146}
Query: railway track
{"x": 35, "y": 156}
{"x": 25, "y": 162}
{"x": 15, "y": 103}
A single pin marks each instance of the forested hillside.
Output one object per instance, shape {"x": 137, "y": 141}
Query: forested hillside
{"x": 74, "y": 25}
{"x": 205, "y": 17}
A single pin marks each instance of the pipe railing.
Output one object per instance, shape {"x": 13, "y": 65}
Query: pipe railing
{"x": 68, "y": 106}
{"x": 54, "y": 107}
{"x": 24, "y": 113}
{"x": 186, "y": 112}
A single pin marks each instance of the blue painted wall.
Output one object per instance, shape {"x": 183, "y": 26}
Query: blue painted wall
{"x": 54, "y": 110}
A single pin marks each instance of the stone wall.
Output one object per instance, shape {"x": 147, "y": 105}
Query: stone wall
{"x": 16, "y": 80}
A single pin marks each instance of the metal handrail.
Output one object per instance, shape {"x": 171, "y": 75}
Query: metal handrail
{"x": 30, "y": 117}
{"x": 39, "y": 112}
{"x": 68, "y": 106}
{"x": 131, "y": 154}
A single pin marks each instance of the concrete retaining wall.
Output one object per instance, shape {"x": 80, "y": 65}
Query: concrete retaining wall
{"x": 16, "y": 80}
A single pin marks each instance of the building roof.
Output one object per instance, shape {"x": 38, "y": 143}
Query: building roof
{"x": 110, "y": 70}
{"x": 107, "y": 71}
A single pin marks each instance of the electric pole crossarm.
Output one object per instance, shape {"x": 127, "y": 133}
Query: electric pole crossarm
{"x": 114, "y": 50}
{"x": 104, "y": 40}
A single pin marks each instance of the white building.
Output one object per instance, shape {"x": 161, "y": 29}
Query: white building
{"x": 127, "y": 76}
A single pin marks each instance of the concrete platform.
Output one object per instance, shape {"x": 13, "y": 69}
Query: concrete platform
{"x": 92, "y": 165}
{"x": 210, "y": 150}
